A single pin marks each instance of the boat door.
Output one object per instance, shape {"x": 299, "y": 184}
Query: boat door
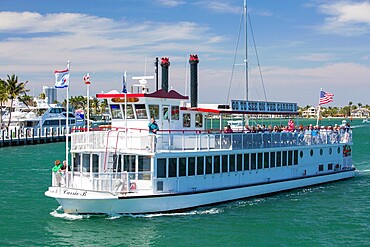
{"x": 166, "y": 117}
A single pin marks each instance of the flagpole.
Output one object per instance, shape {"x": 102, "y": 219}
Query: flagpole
{"x": 67, "y": 119}
{"x": 88, "y": 106}
{"x": 319, "y": 110}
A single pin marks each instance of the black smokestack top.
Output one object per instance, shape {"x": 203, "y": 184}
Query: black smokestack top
{"x": 194, "y": 80}
{"x": 165, "y": 63}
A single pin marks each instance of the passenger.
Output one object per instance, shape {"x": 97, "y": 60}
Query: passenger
{"x": 153, "y": 129}
{"x": 153, "y": 126}
{"x": 57, "y": 173}
{"x": 323, "y": 135}
{"x": 291, "y": 126}
{"x": 228, "y": 129}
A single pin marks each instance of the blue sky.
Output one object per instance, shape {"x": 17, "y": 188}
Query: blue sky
{"x": 302, "y": 45}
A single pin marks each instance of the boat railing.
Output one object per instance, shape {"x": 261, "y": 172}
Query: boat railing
{"x": 197, "y": 140}
{"x": 111, "y": 181}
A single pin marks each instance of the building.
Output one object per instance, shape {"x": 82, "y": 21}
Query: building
{"x": 50, "y": 94}
{"x": 310, "y": 112}
{"x": 360, "y": 113}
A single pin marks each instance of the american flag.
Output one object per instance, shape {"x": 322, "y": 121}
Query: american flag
{"x": 325, "y": 97}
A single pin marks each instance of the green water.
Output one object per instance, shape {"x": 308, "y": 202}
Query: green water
{"x": 335, "y": 214}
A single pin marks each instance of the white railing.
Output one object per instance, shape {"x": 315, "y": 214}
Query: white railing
{"x": 113, "y": 182}
{"x": 181, "y": 141}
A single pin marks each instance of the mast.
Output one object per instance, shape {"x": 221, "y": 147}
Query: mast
{"x": 246, "y": 51}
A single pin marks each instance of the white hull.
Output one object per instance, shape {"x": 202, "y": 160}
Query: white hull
{"x": 86, "y": 202}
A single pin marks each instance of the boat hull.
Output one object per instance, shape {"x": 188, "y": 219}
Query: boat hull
{"x": 89, "y": 202}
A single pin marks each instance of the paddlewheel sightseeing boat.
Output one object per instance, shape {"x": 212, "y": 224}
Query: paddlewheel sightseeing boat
{"x": 189, "y": 162}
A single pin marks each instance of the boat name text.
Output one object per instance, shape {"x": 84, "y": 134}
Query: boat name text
{"x": 74, "y": 193}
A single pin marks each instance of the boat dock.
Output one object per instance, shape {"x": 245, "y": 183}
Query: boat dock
{"x": 31, "y": 136}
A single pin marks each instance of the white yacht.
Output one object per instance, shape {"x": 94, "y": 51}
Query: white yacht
{"x": 187, "y": 163}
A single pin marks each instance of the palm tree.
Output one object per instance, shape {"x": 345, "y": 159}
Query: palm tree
{"x": 3, "y": 98}
{"x": 350, "y": 106}
{"x": 14, "y": 89}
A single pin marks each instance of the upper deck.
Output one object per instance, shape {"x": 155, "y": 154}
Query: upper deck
{"x": 136, "y": 140}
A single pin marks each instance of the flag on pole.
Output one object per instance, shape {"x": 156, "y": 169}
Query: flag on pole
{"x": 61, "y": 78}
{"x": 87, "y": 79}
{"x": 124, "y": 89}
{"x": 325, "y": 97}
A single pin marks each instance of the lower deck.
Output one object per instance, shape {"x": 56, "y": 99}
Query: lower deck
{"x": 130, "y": 174}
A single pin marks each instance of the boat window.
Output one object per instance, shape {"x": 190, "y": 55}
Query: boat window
{"x": 266, "y": 160}
{"x": 259, "y": 161}
{"x": 200, "y": 165}
{"x": 216, "y": 164}
{"x": 85, "y": 162}
{"x": 172, "y": 167}
{"x": 253, "y": 161}
{"x": 239, "y": 162}
{"x": 175, "y": 112}
{"x": 321, "y": 168}
{"x": 186, "y": 119}
{"x": 140, "y": 111}
{"x": 272, "y": 159}
{"x": 144, "y": 167}
{"x": 154, "y": 111}
{"x": 278, "y": 158}
{"x": 129, "y": 163}
{"x": 295, "y": 157}
{"x": 161, "y": 168}
{"x": 290, "y": 158}
{"x": 165, "y": 112}
{"x": 246, "y": 162}
{"x": 116, "y": 112}
{"x": 284, "y": 162}
{"x": 330, "y": 166}
{"x": 95, "y": 163}
{"x": 191, "y": 166}
{"x": 76, "y": 162}
{"x": 182, "y": 167}
{"x": 198, "y": 120}
{"x": 130, "y": 111}
{"x": 208, "y": 164}
{"x": 224, "y": 163}
{"x": 232, "y": 163}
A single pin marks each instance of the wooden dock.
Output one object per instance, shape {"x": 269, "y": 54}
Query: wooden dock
{"x": 31, "y": 136}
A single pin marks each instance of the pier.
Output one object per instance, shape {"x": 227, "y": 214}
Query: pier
{"x": 31, "y": 136}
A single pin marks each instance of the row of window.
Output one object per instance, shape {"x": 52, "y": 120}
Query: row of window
{"x": 203, "y": 165}
{"x": 116, "y": 163}
{"x": 138, "y": 111}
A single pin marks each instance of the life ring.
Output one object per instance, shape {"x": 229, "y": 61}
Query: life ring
{"x": 133, "y": 186}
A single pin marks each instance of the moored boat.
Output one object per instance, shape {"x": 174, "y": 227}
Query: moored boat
{"x": 188, "y": 163}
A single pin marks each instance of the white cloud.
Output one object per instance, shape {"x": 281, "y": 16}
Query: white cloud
{"x": 171, "y": 3}
{"x": 33, "y": 45}
{"x": 346, "y": 17}
{"x": 316, "y": 57}
{"x": 220, "y": 7}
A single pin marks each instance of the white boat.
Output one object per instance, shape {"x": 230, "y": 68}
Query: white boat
{"x": 43, "y": 116}
{"x": 128, "y": 170}
{"x": 366, "y": 120}
{"x": 124, "y": 169}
